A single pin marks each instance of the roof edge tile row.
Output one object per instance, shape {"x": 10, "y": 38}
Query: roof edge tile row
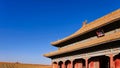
{"x": 92, "y": 25}
{"x": 94, "y": 42}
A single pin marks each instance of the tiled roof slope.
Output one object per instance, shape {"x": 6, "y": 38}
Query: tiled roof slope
{"x": 91, "y": 26}
{"x": 114, "y": 16}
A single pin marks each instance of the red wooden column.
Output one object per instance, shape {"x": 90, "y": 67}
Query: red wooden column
{"x": 86, "y": 62}
{"x": 80, "y": 64}
{"x": 117, "y": 60}
{"x": 63, "y": 65}
{"x": 57, "y": 65}
{"x": 54, "y": 65}
{"x": 71, "y": 64}
{"x": 111, "y": 61}
{"x": 75, "y": 65}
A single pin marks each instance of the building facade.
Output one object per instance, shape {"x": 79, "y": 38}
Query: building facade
{"x": 94, "y": 45}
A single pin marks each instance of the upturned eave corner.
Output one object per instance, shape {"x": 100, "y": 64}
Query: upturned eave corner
{"x": 94, "y": 45}
{"x": 46, "y": 55}
{"x": 91, "y": 26}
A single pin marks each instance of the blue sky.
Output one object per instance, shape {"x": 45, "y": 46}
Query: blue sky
{"x": 28, "y": 26}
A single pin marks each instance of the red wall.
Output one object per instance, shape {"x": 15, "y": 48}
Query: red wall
{"x": 94, "y": 64}
{"x": 91, "y": 64}
{"x": 117, "y": 63}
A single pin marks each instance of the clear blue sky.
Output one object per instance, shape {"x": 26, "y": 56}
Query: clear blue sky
{"x": 28, "y": 26}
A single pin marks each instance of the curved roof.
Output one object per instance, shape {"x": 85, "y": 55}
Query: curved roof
{"x": 91, "y": 26}
{"x": 94, "y": 42}
{"x": 110, "y": 18}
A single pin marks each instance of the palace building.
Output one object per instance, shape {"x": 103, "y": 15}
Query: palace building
{"x": 94, "y": 45}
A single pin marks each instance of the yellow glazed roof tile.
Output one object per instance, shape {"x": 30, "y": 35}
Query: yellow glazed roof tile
{"x": 93, "y": 25}
{"x": 94, "y": 42}
{"x": 114, "y": 16}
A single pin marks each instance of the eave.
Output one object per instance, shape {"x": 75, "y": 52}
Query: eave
{"x": 107, "y": 19}
{"x": 105, "y": 39}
